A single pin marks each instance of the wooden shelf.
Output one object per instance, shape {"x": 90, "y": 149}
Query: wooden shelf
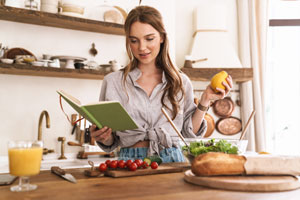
{"x": 59, "y": 21}
{"x": 195, "y": 74}
{"x": 205, "y": 74}
{"x": 17, "y": 69}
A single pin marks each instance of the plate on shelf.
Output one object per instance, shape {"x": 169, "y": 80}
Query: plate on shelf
{"x": 65, "y": 58}
{"x": 107, "y": 13}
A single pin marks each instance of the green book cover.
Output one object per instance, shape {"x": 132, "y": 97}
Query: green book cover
{"x": 106, "y": 113}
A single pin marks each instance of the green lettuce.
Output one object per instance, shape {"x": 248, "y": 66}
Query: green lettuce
{"x": 197, "y": 148}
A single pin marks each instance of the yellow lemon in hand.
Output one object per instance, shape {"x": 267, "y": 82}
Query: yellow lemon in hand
{"x": 217, "y": 79}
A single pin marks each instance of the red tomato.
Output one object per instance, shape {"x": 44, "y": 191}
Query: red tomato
{"x": 102, "y": 167}
{"x": 107, "y": 162}
{"x": 121, "y": 164}
{"x": 154, "y": 165}
{"x": 128, "y": 163}
{"x": 138, "y": 162}
{"x": 145, "y": 165}
{"x": 133, "y": 166}
{"x": 113, "y": 164}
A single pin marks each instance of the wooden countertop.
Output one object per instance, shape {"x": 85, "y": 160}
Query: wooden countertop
{"x": 169, "y": 186}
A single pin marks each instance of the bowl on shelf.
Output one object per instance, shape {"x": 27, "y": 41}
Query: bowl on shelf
{"x": 105, "y": 67}
{"x": 73, "y": 10}
{"x": 7, "y": 60}
{"x": 39, "y": 64}
{"x": 79, "y": 65}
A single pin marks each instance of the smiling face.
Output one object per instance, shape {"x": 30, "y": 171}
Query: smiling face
{"x": 144, "y": 41}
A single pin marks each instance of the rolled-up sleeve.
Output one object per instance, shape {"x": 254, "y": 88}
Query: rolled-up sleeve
{"x": 189, "y": 107}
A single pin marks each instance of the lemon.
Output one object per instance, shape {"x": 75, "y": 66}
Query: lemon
{"x": 263, "y": 152}
{"x": 217, "y": 79}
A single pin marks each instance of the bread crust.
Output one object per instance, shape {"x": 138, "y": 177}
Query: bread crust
{"x": 216, "y": 163}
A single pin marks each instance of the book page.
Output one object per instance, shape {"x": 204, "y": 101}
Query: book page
{"x": 70, "y": 97}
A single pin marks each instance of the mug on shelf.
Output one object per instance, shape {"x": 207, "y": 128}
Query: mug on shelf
{"x": 50, "y": 6}
{"x": 71, "y": 8}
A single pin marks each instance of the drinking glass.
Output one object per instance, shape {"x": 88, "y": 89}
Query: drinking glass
{"x": 24, "y": 161}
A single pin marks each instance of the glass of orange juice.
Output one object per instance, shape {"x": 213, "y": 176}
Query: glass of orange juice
{"x": 24, "y": 161}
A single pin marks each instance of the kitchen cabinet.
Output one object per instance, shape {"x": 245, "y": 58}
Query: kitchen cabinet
{"x": 161, "y": 186}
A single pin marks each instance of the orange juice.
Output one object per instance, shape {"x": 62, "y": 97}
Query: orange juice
{"x": 25, "y": 161}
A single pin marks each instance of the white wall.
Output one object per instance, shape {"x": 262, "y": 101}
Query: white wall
{"x": 23, "y": 98}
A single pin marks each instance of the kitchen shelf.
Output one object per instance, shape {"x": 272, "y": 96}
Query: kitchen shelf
{"x": 18, "y": 69}
{"x": 195, "y": 74}
{"x": 59, "y": 21}
{"x": 205, "y": 74}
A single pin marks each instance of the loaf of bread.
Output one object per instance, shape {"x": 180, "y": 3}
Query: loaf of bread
{"x": 215, "y": 163}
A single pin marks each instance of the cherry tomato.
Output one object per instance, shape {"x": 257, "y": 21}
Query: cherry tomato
{"x": 107, "y": 162}
{"x": 128, "y": 163}
{"x": 145, "y": 165}
{"x": 138, "y": 162}
{"x": 154, "y": 165}
{"x": 113, "y": 164}
{"x": 133, "y": 166}
{"x": 121, "y": 164}
{"x": 102, "y": 167}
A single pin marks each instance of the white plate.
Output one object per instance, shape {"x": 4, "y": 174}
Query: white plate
{"x": 65, "y": 58}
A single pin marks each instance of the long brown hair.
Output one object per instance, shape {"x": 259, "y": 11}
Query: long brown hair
{"x": 150, "y": 15}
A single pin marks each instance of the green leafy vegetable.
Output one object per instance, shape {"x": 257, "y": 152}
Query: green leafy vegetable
{"x": 197, "y": 148}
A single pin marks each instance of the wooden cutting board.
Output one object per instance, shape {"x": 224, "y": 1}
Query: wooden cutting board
{"x": 163, "y": 168}
{"x": 245, "y": 183}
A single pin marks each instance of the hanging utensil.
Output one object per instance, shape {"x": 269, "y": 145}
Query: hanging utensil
{"x": 247, "y": 124}
{"x": 223, "y": 108}
{"x": 229, "y": 126}
{"x": 93, "y": 51}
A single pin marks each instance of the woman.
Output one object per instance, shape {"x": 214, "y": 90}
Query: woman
{"x": 149, "y": 82}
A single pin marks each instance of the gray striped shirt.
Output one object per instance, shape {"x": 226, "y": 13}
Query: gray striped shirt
{"x": 146, "y": 112}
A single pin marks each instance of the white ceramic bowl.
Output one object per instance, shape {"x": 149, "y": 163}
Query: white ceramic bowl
{"x": 7, "y": 60}
{"x": 38, "y": 63}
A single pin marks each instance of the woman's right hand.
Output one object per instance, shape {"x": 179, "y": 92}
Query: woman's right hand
{"x": 103, "y": 135}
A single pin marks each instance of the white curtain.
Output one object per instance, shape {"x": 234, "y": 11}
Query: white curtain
{"x": 252, "y": 27}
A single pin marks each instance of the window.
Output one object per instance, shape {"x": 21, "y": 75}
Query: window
{"x": 283, "y": 78}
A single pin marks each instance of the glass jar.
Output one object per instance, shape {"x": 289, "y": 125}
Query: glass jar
{"x": 31, "y": 4}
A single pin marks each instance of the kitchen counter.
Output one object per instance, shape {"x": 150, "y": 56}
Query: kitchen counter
{"x": 159, "y": 187}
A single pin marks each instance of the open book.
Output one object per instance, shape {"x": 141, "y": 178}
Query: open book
{"x": 103, "y": 113}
